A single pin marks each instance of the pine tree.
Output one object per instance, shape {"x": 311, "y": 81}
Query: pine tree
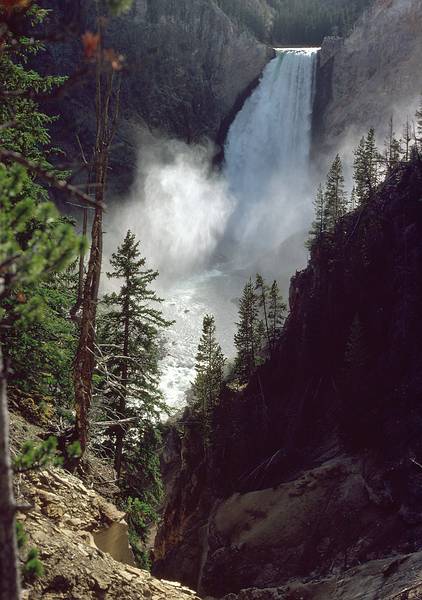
{"x": 276, "y": 315}
{"x": 44, "y": 252}
{"x": 407, "y": 138}
{"x": 262, "y": 290}
{"x": 34, "y": 242}
{"x": 50, "y": 340}
{"x": 129, "y": 334}
{"x": 352, "y": 201}
{"x": 419, "y": 126}
{"x": 393, "y": 151}
{"x": 209, "y": 374}
{"x": 335, "y": 195}
{"x": 248, "y": 340}
{"x": 359, "y": 172}
{"x": 319, "y": 226}
{"x": 366, "y": 168}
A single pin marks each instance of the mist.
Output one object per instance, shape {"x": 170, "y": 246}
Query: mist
{"x": 178, "y": 207}
{"x": 207, "y": 230}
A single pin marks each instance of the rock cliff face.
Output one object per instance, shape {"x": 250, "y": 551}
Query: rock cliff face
{"x": 371, "y": 75}
{"x": 315, "y": 467}
{"x": 187, "y": 66}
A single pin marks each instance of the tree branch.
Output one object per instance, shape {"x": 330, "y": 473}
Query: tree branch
{"x": 40, "y": 172}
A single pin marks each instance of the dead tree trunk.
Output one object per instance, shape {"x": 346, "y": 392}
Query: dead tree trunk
{"x": 9, "y": 570}
{"x": 107, "y": 109}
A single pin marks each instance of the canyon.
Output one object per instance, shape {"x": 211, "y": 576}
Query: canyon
{"x": 312, "y": 487}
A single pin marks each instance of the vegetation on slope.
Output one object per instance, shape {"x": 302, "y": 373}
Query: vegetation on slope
{"x": 46, "y": 304}
{"x": 344, "y": 379}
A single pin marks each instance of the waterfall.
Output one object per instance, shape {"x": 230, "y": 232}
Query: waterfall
{"x": 267, "y": 153}
{"x": 207, "y": 232}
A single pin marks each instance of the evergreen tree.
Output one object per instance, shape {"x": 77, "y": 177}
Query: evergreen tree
{"x": 27, "y": 132}
{"x": 335, "y": 195}
{"x": 209, "y": 374}
{"x": 272, "y": 312}
{"x": 359, "y": 172}
{"x": 352, "y": 201}
{"x": 50, "y": 341}
{"x": 248, "y": 339}
{"x": 142, "y": 489}
{"x": 393, "y": 150}
{"x": 407, "y": 138}
{"x": 262, "y": 290}
{"x": 276, "y": 315}
{"x": 418, "y": 128}
{"x": 319, "y": 225}
{"x": 366, "y": 168}
{"x": 21, "y": 266}
{"x": 129, "y": 334}
{"x": 24, "y": 133}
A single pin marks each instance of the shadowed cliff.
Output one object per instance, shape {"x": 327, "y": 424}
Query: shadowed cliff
{"x": 314, "y": 468}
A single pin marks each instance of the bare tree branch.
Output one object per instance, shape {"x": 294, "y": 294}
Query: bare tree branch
{"x": 38, "y": 170}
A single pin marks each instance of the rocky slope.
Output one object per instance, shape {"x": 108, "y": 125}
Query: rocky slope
{"x": 370, "y": 76}
{"x": 81, "y": 537}
{"x": 314, "y": 482}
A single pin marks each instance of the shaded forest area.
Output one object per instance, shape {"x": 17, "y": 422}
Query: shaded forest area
{"x": 296, "y": 22}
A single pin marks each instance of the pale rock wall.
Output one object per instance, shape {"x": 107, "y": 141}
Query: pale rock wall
{"x": 373, "y": 75}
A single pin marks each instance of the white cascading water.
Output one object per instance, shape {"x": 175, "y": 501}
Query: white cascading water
{"x": 267, "y": 152}
{"x": 205, "y": 232}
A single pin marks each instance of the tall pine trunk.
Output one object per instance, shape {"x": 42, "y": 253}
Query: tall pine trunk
{"x": 267, "y": 329}
{"x": 121, "y": 431}
{"x": 9, "y": 571}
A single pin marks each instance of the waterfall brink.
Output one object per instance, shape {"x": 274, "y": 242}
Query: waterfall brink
{"x": 267, "y": 153}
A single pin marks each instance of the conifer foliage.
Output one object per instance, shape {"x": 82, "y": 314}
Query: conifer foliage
{"x": 393, "y": 149}
{"x": 330, "y": 204}
{"x": 335, "y": 195}
{"x": 366, "y": 168}
{"x": 319, "y": 225}
{"x": 129, "y": 336}
{"x": 248, "y": 339}
{"x": 34, "y": 244}
{"x": 370, "y": 169}
{"x": 261, "y": 319}
{"x": 276, "y": 316}
{"x": 208, "y": 383}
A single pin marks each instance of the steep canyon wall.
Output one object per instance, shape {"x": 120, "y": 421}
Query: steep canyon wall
{"x": 370, "y": 76}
